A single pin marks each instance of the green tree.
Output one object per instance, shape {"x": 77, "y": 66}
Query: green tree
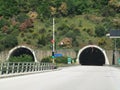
{"x": 8, "y": 8}
{"x": 100, "y": 31}
{"x": 108, "y": 11}
{"x": 78, "y": 6}
{"x": 43, "y": 9}
{"x": 99, "y": 4}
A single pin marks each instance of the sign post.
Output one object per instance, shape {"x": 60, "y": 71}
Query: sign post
{"x": 114, "y": 34}
{"x": 118, "y": 61}
{"x": 69, "y": 60}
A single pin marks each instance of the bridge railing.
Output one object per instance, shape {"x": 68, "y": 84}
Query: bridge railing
{"x": 24, "y": 67}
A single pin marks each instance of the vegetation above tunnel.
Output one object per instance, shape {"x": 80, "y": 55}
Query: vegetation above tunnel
{"x": 82, "y": 22}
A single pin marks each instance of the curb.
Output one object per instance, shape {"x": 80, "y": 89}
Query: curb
{"x": 26, "y": 73}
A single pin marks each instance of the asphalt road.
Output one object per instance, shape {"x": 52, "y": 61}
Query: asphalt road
{"x": 71, "y": 78}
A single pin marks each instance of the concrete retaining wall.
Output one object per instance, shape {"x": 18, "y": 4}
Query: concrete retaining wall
{"x": 41, "y": 54}
{"x": 71, "y": 53}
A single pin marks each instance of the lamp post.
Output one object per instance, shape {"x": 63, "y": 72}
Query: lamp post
{"x": 53, "y": 41}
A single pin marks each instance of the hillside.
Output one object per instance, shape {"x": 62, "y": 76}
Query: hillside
{"x": 77, "y": 23}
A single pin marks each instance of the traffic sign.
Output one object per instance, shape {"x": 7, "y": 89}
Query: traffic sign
{"x": 58, "y": 55}
{"x": 119, "y": 61}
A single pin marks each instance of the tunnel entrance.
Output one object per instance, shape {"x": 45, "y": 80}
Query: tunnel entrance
{"x": 22, "y": 51}
{"x": 92, "y": 55}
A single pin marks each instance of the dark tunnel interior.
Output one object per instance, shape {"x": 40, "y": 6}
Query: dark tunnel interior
{"x": 92, "y": 56}
{"x": 21, "y": 51}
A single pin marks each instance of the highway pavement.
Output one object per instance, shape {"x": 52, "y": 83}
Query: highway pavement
{"x": 70, "y": 78}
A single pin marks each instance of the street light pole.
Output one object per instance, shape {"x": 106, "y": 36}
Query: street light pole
{"x": 53, "y": 41}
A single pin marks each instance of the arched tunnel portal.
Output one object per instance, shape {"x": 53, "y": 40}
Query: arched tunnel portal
{"x": 92, "y": 55}
{"x": 20, "y": 50}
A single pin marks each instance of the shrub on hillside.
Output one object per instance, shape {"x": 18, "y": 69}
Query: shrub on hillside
{"x": 100, "y": 31}
{"x": 57, "y": 60}
{"x": 47, "y": 59}
{"x": 61, "y": 60}
{"x": 9, "y": 41}
{"x": 1, "y": 47}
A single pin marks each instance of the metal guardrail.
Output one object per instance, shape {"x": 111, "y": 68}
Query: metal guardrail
{"x": 24, "y": 67}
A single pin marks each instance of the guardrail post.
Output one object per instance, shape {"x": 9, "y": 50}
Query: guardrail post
{"x": 40, "y": 66}
{"x": 30, "y": 67}
{"x": 7, "y": 68}
{"x": 1, "y": 65}
{"x": 50, "y": 66}
{"x": 22, "y": 70}
{"x": 35, "y": 66}
{"x": 4, "y": 68}
{"x": 43, "y": 66}
{"x": 18, "y": 66}
{"x": 13, "y": 67}
{"x": 26, "y": 66}
{"x": 47, "y": 66}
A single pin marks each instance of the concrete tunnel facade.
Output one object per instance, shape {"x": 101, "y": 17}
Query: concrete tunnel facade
{"x": 92, "y": 55}
{"x": 18, "y": 50}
